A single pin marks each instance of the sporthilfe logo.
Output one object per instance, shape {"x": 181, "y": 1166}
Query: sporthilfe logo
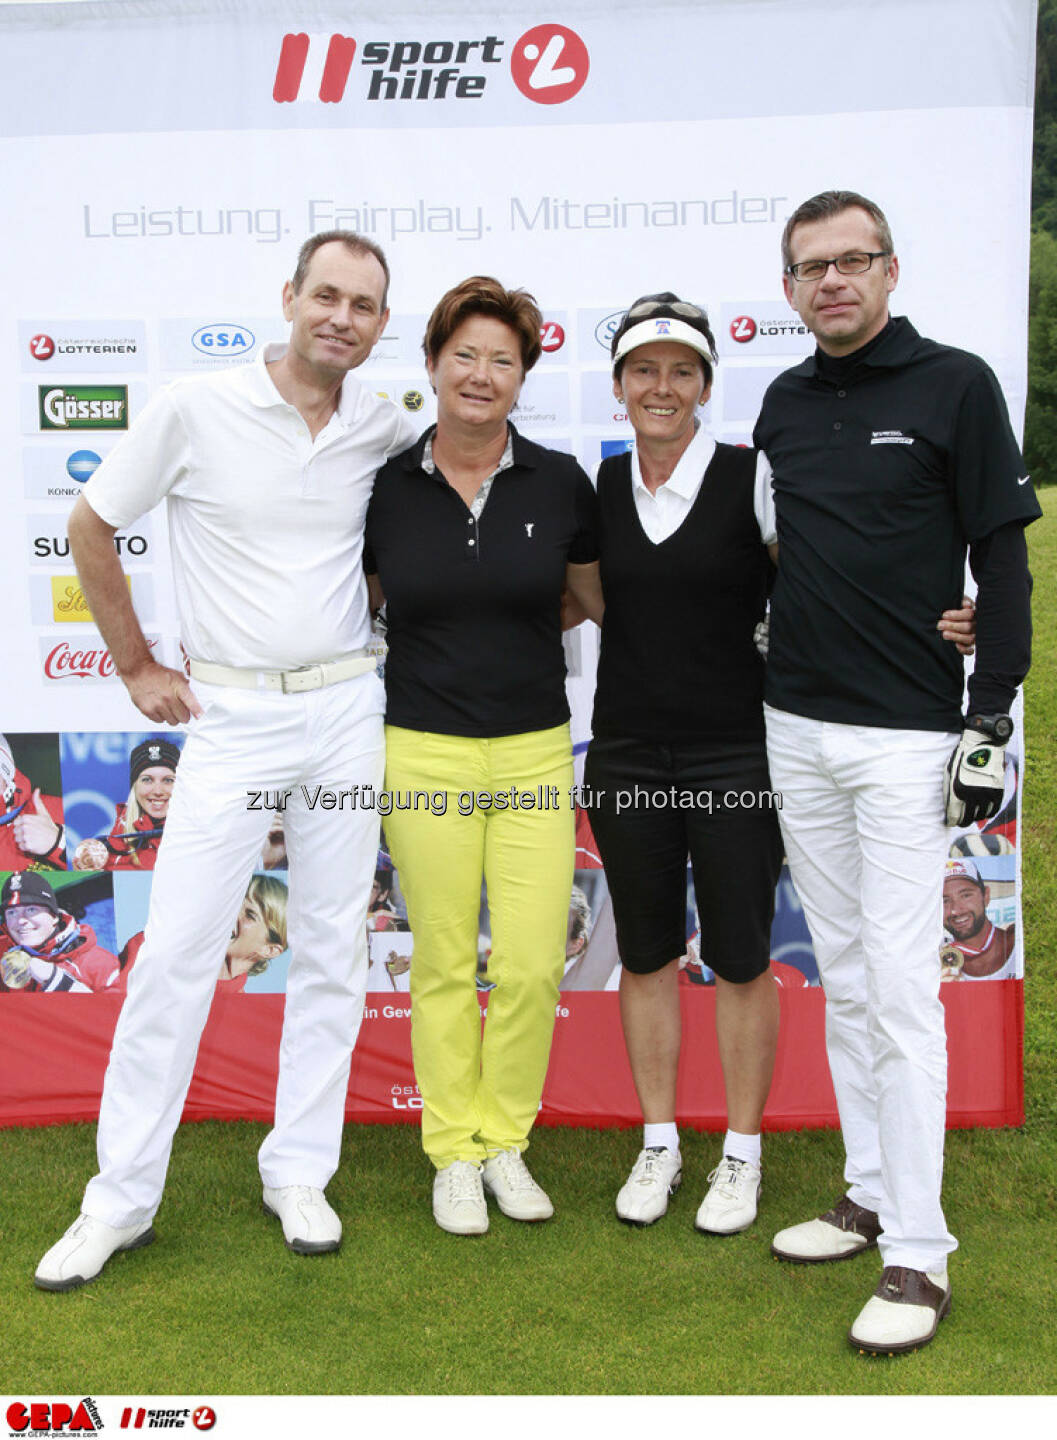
{"x": 549, "y": 64}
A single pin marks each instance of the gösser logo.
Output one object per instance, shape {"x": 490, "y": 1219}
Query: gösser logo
{"x": 549, "y": 64}
{"x": 552, "y": 336}
{"x": 42, "y": 347}
{"x": 742, "y": 328}
{"x": 83, "y": 407}
{"x": 223, "y": 339}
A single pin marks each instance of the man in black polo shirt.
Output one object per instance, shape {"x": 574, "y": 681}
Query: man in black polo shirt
{"x": 892, "y": 457}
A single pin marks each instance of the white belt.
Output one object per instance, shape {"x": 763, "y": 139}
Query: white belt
{"x": 290, "y": 682}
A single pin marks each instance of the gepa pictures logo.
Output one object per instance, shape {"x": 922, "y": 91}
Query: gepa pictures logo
{"x": 54, "y": 1417}
{"x": 548, "y": 64}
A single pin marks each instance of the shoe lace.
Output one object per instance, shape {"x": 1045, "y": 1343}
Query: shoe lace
{"x": 647, "y": 1169}
{"x": 893, "y": 1280}
{"x": 515, "y": 1172}
{"x": 727, "y": 1176}
{"x": 463, "y": 1181}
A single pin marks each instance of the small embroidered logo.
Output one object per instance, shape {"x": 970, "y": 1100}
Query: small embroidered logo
{"x": 529, "y": 528}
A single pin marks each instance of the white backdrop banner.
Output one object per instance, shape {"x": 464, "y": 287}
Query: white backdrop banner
{"x": 164, "y": 160}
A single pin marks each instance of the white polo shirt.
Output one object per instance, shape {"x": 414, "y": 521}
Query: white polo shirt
{"x": 662, "y": 513}
{"x": 265, "y": 523}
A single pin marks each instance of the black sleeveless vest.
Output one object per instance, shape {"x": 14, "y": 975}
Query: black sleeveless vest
{"x": 678, "y": 661}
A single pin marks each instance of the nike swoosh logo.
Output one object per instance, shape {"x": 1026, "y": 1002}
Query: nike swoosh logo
{"x": 1024, "y": 481}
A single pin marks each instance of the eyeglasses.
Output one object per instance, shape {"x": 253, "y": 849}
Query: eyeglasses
{"x": 681, "y": 307}
{"x": 857, "y": 263}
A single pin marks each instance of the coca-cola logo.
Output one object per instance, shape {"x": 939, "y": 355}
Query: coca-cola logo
{"x": 63, "y": 662}
{"x": 89, "y": 660}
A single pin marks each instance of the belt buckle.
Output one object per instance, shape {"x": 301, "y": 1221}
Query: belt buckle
{"x": 305, "y": 677}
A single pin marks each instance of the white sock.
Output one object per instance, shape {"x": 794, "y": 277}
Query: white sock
{"x": 664, "y": 1135}
{"x": 742, "y": 1147}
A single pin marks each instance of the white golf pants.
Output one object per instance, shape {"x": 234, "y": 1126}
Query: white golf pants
{"x": 246, "y": 741}
{"x": 862, "y": 818}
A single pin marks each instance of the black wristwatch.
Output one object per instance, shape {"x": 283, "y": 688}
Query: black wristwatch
{"x": 997, "y": 728}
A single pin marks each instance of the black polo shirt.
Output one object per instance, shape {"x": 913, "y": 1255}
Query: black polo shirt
{"x": 886, "y": 467}
{"x": 473, "y": 605}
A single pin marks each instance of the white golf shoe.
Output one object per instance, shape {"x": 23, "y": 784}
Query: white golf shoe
{"x": 730, "y": 1204}
{"x": 310, "y": 1226}
{"x": 508, "y": 1180}
{"x": 83, "y": 1251}
{"x": 656, "y": 1175}
{"x": 458, "y": 1199}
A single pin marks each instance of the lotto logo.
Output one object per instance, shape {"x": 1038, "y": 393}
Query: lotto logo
{"x": 204, "y": 1418}
{"x": 742, "y": 329}
{"x": 549, "y": 64}
{"x": 552, "y": 337}
{"x": 42, "y": 347}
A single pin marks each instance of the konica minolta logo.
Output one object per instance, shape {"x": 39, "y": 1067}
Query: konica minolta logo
{"x": 549, "y": 64}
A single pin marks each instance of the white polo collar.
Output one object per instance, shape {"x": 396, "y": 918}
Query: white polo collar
{"x": 685, "y": 479}
{"x": 261, "y": 388}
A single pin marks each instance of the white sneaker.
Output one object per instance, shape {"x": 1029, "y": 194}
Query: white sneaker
{"x": 83, "y": 1251}
{"x": 507, "y": 1178}
{"x": 310, "y": 1226}
{"x": 656, "y": 1174}
{"x": 903, "y": 1312}
{"x": 458, "y": 1199}
{"x": 730, "y": 1204}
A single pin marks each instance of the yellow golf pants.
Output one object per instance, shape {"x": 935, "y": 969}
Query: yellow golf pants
{"x": 507, "y": 818}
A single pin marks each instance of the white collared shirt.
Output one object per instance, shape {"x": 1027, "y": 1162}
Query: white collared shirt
{"x": 661, "y": 513}
{"x": 265, "y": 523}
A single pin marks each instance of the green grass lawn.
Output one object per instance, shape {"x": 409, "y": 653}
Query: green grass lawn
{"x": 581, "y": 1305}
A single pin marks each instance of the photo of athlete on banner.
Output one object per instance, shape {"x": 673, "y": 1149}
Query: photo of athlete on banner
{"x": 976, "y": 946}
{"x": 31, "y": 814}
{"x": 139, "y": 821}
{"x": 47, "y": 944}
{"x": 258, "y": 940}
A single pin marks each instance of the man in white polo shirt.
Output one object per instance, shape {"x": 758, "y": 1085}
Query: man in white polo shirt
{"x": 267, "y": 471}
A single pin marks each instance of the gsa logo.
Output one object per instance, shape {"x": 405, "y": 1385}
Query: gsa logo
{"x": 82, "y": 465}
{"x": 606, "y": 329}
{"x": 224, "y": 340}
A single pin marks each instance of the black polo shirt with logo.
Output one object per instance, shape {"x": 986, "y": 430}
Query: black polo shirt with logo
{"x": 473, "y": 605}
{"x": 886, "y": 467}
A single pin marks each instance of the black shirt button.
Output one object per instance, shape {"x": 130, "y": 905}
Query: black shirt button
{"x": 836, "y": 424}
{"x": 841, "y": 394}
